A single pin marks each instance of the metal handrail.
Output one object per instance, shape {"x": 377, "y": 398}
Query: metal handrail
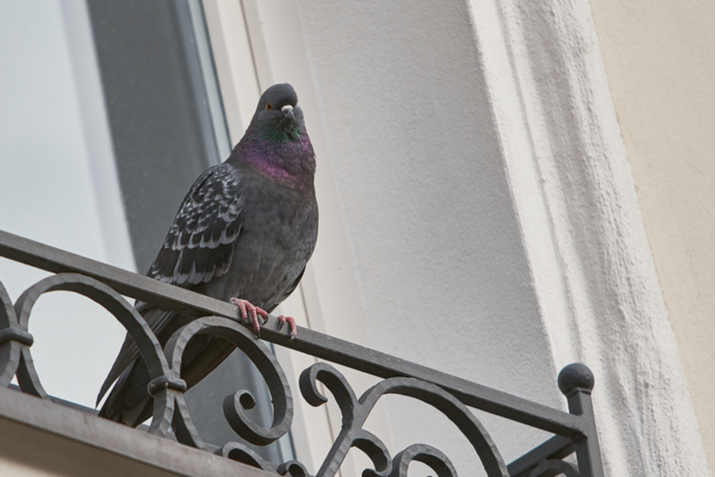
{"x": 574, "y": 431}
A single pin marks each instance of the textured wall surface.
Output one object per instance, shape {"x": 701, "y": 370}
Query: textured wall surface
{"x": 659, "y": 58}
{"x": 594, "y": 272}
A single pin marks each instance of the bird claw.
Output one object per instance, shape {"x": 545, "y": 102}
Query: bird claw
{"x": 291, "y": 324}
{"x": 249, "y": 310}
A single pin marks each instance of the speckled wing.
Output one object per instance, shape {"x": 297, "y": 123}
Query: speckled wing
{"x": 200, "y": 243}
{"x": 199, "y": 247}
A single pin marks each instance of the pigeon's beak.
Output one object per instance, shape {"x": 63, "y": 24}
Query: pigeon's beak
{"x": 288, "y": 111}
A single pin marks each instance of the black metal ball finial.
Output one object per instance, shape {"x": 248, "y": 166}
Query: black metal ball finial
{"x": 573, "y": 376}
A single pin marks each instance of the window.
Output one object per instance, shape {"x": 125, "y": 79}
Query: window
{"x": 117, "y": 111}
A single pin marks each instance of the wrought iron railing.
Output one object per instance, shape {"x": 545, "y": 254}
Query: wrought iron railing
{"x": 573, "y": 432}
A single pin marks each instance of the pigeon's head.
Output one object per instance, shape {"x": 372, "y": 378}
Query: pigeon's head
{"x": 277, "y": 114}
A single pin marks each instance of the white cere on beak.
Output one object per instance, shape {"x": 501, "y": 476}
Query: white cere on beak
{"x": 287, "y": 110}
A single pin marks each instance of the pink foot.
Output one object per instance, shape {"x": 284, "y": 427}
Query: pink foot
{"x": 247, "y": 309}
{"x": 291, "y": 324}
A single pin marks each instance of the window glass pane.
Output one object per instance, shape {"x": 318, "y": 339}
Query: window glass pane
{"x": 158, "y": 111}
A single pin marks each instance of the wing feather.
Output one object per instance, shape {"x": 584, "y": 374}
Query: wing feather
{"x": 199, "y": 245}
{"x": 198, "y": 248}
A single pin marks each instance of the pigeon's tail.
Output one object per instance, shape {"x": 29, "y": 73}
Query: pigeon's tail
{"x": 129, "y": 402}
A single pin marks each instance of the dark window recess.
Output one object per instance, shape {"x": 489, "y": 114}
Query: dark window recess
{"x": 163, "y": 139}
{"x": 158, "y": 111}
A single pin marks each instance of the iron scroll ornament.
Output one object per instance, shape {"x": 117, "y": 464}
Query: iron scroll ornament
{"x": 355, "y": 412}
{"x": 166, "y": 386}
{"x": 15, "y": 356}
{"x": 170, "y": 411}
{"x": 235, "y": 405}
{"x": 553, "y": 468}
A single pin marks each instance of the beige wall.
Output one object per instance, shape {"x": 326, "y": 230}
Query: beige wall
{"x": 659, "y": 59}
{"x": 18, "y": 469}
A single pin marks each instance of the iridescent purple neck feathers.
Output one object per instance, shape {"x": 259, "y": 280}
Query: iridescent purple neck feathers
{"x": 291, "y": 163}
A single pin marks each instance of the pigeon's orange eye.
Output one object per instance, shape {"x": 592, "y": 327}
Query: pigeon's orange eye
{"x": 268, "y": 106}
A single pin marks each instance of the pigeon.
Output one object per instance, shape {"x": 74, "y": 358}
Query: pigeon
{"x": 243, "y": 234}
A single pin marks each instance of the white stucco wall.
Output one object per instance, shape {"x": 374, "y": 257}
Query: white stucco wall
{"x": 659, "y": 59}
{"x": 584, "y": 232}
